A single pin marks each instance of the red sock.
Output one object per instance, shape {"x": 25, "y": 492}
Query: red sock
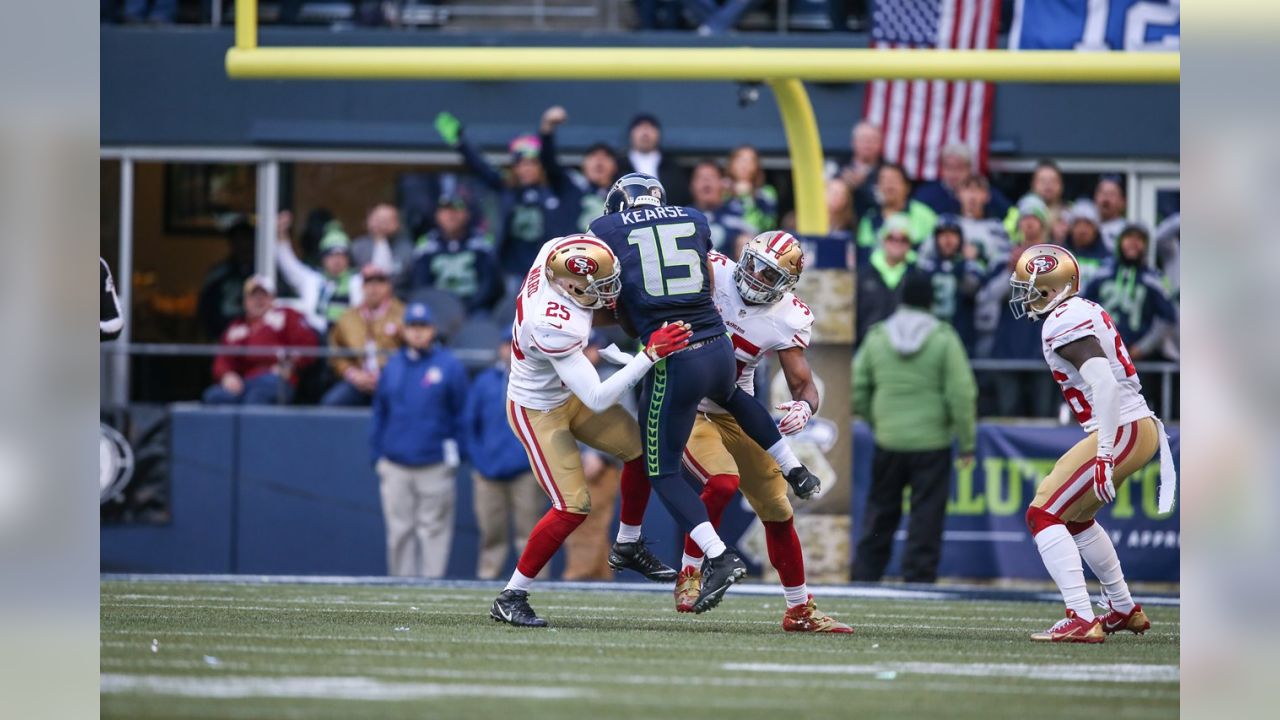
{"x": 635, "y": 492}
{"x": 784, "y": 551}
{"x": 547, "y": 537}
{"x": 716, "y": 495}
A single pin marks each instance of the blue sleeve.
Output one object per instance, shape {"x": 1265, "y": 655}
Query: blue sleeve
{"x": 557, "y": 178}
{"x": 489, "y": 279}
{"x": 478, "y": 165}
{"x": 469, "y": 439}
{"x": 378, "y": 418}
{"x": 458, "y": 399}
{"x": 421, "y": 275}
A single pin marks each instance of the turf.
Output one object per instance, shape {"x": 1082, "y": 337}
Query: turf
{"x": 220, "y": 650}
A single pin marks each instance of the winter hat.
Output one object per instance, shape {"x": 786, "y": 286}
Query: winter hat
{"x": 334, "y": 239}
{"x": 917, "y": 290}
{"x": 1031, "y": 204}
{"x": 897, "y": 222}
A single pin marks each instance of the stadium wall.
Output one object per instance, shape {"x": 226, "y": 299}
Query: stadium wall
{"x": 287, "y": 491}
{"x": 169, "y": 87}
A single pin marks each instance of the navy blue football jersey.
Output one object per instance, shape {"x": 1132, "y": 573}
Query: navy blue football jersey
{"x": 663, "y": 253}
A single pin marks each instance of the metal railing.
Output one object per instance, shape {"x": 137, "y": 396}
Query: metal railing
{"x": 1146, "y": 369}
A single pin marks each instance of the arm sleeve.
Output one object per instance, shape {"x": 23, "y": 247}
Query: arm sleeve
{"x": 557, "y": 178}
{"x": 961, "y": 393}
{"x": 468, "y": 439}
{"x": 295, "y": 272}
{"x": 110, "y": 321}
{"x": 223, "y": 364}
{"x": 378, "y": 420}
{"x": 579, "y": 375}
{"x": 481, "y": 167}
{"x": 1106, "y": 405}
{"x": 862, "y": 384}
{"x": 458, "y": 390}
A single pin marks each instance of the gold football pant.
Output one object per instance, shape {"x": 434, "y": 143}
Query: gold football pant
{"x": 717, "y": 446}
{"x": 550, "y": 439}
{"x": 1067, "y": 493}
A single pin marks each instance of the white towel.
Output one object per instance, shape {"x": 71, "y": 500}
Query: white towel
{"x": 1168, "y": 475}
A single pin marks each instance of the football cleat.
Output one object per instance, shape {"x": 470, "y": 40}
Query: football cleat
{"x": 512, "y": 608}
{"x": 717, "y": 575}
{"x": 688, "y": 584}
{"x": 804, "y": 483}
{"x": 1072, "y": 628}
{"x": 1135, "y": 621}
{"x": 636, "y": 556}
{"x": 808, "y": 618}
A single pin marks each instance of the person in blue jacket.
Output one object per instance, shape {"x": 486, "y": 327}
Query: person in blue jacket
{"x": 505, "y": 491}
{"x": 417, "y": 408}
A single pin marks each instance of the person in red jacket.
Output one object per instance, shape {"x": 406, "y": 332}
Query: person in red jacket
{"x": 268, "y": 378}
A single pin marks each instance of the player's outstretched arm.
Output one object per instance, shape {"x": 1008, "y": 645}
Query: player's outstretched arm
{"x": 1087, "y": 355}
{"x": 804, "y": 391}
{"x": 580, "y": 376}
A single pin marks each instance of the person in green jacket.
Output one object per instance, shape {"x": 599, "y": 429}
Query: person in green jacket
{"x": 913, "y": 384}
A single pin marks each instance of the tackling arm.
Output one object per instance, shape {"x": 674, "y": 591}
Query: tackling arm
{"x": 795, "y": 367}
{"x": 580, "y": 376}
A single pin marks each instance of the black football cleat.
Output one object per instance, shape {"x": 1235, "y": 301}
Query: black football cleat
{"x": 512, "y": 608}
{"x": 803, "y": 483}
{"x": 717, "y": 575}
{"x": 636, "y": 556}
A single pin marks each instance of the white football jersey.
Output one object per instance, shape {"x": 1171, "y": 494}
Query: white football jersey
{"x": 755, "y": 329}
{"x": 547, "y": 325}
{"x": 1076, "y": 318}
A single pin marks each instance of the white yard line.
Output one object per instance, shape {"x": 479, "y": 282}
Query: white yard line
{"x": 1122, "y": 673}
{"x": 323, "y": 688}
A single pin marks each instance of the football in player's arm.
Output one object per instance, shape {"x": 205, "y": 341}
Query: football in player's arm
{"x": 1089, "y": 361}
{"x": 555, "y": 399}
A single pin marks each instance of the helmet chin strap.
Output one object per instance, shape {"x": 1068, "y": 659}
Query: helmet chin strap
{"x": 1057, "y": 300}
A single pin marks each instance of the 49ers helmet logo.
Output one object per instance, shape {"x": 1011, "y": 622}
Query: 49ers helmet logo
{"x": 581, "y": 265}
{"x": 1042, "y": 264}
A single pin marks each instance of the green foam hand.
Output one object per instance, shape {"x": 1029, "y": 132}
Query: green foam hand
{"x": 449, "y": 127}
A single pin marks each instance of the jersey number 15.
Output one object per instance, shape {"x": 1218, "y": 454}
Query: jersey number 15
{"x": 660, "y": 253}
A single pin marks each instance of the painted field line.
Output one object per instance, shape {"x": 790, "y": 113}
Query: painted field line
{"x": 1121, "y": 673}
{"x": 946, "y": 592}
{"x": 323, "y": 688}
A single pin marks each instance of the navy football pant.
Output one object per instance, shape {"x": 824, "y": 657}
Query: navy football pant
{"x": 668, "y": 407}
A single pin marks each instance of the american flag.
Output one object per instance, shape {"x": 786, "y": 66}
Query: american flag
{"x": 920, "y": 117}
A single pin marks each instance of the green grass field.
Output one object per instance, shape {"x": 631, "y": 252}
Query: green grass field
{"x": 220, "y": 650}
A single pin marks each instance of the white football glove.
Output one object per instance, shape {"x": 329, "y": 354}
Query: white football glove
{"x": 797, "y": 416}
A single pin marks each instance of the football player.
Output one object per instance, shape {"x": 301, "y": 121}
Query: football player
{"x": 755, "y": 300}
{"x": 1098, "y": 380}
{"x": 555, "y": 399}
{"x": 666, "y": 275}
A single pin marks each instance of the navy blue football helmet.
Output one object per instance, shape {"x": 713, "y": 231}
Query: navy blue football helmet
{"x": 634, "y": 190}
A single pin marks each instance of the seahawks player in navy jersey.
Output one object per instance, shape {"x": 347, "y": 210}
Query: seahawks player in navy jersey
{"x": 666, "y": 278}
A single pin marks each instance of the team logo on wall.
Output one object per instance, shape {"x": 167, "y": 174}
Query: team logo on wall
{"x": 115, "y": 463}
{"x": 1042, "y": 264}
{"x": 582, "y": 265}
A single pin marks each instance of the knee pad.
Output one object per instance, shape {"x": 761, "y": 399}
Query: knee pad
{"x": 1038, "y": 519}
{"x": 1075, "y": 528}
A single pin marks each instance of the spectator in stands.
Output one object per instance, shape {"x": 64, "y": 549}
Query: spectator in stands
{"x": 1016, "y": 393}
{"x": 1046, "y": 182}
{"x": 413, "y": 434}
{"x": 507, "y": 497}
{"x": 373, "y": 329}
{"x": 324, "y": 294}
{"x": 1084, "y": 240}
{"x": 956, "y": 274}
{"x": 221, "y": 292}
{"x": 839, "y": 209}
{"x": 644, "y": 155}
{"x": 894, "y": 190}
{"x": 746, "y": 185}
{"x": 880, "y": 277}
{"x": 1135, "y": 295}
{"x": 954, "y": 165}
{"x": 584, "y": 190}
{"x": 454, "y": 257}
{"x": 729, "y": 228}
{"x": 268, "y": 378}
{"x": 913, "y": 385}
{"x": 867, "y": 143}
{"x": 1109, "y": 198}
{"x": 717, "y": 17}
{"x": 986, "y": 235}
{"x": 384, "y": 245}
{"x": 530, "y": 212}
{"x": 1033, "y": 221}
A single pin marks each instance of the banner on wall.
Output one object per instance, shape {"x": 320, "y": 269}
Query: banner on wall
{"x": 1096, "y": 25}
{"x": 986, "y": 534}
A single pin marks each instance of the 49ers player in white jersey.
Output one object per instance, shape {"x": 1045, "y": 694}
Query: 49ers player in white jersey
{"x": 754, "y": 297}
{"x": 555, "y": 399}
{"x": 1100, "y": 384}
